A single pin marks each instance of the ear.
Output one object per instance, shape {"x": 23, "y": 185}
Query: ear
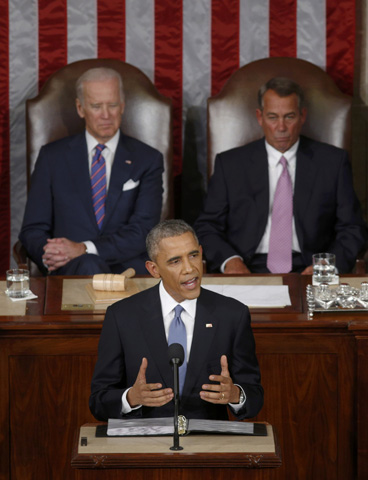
{"x": 80, "y": 109}
{"x": 153, "y": 269}
{"x": 304, "y": 115}
{"x": 259, "y": 116}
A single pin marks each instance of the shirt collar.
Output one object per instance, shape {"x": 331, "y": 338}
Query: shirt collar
{"x": 168, "y": 303}
{"x": 275, "y": 155}
{"x": 110, "y": 144}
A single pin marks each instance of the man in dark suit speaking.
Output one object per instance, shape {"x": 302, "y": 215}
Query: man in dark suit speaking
{"x": 133, "y": 376}
{"x": 272, "y": 203}
{"x": 94, "y": 196}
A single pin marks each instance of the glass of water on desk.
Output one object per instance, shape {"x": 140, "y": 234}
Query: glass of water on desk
{"x": 17, "y": 283}
{"x": 324, "y": 267}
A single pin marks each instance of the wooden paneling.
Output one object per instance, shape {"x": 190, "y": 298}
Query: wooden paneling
{"x": 48, "y": 398}
{"x": 314, "y": 375}
{"x": 308, "y": 382}
{"x": 305, "y": 402}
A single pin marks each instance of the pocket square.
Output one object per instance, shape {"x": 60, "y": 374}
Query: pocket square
{"x": 130, "y": 184}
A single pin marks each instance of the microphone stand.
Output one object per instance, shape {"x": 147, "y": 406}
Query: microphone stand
{"x": 176, "y": 445}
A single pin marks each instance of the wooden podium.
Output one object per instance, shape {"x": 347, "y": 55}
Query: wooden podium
{"x": 202, "y": 457}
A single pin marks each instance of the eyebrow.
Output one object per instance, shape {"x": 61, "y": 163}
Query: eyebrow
{"x": 284, "y": 115}
{"x": 178, "y": 256}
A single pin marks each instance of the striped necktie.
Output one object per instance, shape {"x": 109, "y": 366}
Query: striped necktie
{"x": 178, "y": 334}
{"x": 98, "y": 183}
{"x": 279, "y": 259}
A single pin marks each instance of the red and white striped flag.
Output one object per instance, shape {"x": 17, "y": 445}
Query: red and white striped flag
{"x": 188, "y": 48}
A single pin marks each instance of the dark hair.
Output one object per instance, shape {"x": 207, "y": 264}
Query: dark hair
{"x": 166, "y": 229}
{"x": 283, "y": 87}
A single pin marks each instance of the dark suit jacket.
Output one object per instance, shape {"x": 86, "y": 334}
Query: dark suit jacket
{"x": 326, "y": 210}
{"x": 133, "y": 328}
{"x": 60, "y": 200}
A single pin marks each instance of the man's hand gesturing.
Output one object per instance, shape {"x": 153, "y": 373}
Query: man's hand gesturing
{"x": 148, "y": 394}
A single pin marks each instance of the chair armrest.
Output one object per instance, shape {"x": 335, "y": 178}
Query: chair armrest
{"x": 23, "y": 261}
{"x": 20, "y": 255}
{"x": 361, "y": 262}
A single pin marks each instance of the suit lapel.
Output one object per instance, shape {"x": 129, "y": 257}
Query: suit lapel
{"x": 305, "y": 174}
{"x": 205, "y": 327}
{"x": 122, "y": 170}
{"x": 77, "y": 165}
{"x": 152, "y": 327}
{"x": 259, "y": 183}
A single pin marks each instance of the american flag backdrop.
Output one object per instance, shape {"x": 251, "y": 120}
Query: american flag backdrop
{"x": 188, "y": 48}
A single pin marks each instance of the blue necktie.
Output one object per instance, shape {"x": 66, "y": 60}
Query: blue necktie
{"x": 178, "y": 334}
{"x": 98, "y": 183}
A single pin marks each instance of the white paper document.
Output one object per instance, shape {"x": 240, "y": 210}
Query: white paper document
{"x": 165, "y": 426}
{"x": 255, "y": 295}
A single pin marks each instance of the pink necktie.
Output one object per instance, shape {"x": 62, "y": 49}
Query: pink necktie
{"x": 279, "y": 259}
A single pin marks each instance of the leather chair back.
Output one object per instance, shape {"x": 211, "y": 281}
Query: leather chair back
{"x": 52, "y": 115}
{"x": 231, "y": 114}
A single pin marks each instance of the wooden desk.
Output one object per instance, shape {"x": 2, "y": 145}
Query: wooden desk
{"x": 202, "y": 457}
{"x": 68, "y": 295}
{"x": 23, "y": 308}
{"x": 314, "y": 374}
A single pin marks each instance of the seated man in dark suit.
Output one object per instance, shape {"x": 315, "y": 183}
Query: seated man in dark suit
{"x": 133, "y": 376}
{"x": 94, "y": 196}
{"x": 272, "y": 203}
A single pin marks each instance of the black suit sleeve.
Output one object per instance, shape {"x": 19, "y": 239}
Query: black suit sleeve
{"x": 212, "y": 224}
{"x": 350, "y": 229}
{"x": 109, "y": 378}
{"x": 38, "y": 217}
{"x": 244, "y": 369}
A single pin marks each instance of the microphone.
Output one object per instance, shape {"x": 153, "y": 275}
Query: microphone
{"x": 176, "y": 354}
{"x": 176, "y": 358}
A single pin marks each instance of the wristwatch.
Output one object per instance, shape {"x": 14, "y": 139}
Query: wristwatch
{"x": 241, "y": 396}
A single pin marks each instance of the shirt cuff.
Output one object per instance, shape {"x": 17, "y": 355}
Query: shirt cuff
{"x": 90, "y": 247}
{"x": 222, "y": 268}
{"x": 237, "y": 406}
{"x": 125, "y": 407}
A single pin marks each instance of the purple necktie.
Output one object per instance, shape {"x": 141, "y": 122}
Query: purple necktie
{"x": 279, "y": 259}
{"x": 98, "y": 183}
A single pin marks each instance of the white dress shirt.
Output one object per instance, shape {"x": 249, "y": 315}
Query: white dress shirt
{"x": 109, "y": 155}
{"x": 274, "y": 172}
{"x": 188, "y": 317}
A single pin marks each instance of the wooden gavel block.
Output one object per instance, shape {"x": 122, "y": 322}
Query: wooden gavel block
{"x": 111, "y": 282}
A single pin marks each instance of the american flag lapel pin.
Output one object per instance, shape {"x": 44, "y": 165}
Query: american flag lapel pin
{"x": 208, "y": 325}
{"x": 129, "y": 162}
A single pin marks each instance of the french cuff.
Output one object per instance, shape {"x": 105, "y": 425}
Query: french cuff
{"x": 90, "y": 247}
{"x": 237, "y": 406}
{"x": 125, "y": 407}
{"x": 223, "y": 265}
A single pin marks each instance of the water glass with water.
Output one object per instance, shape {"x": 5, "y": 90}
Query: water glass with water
{"x": 17, "y": 283}
{"x": 324, "y": 267}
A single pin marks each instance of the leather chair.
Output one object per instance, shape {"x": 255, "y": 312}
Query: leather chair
{"x": 52, "y": 115}
{"x": 231, "y": 117}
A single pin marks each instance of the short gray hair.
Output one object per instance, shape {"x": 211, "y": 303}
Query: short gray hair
{"x": 96, "y": 75}
{"x": 283, "y": 87}
{"x": 166, "y": 229}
